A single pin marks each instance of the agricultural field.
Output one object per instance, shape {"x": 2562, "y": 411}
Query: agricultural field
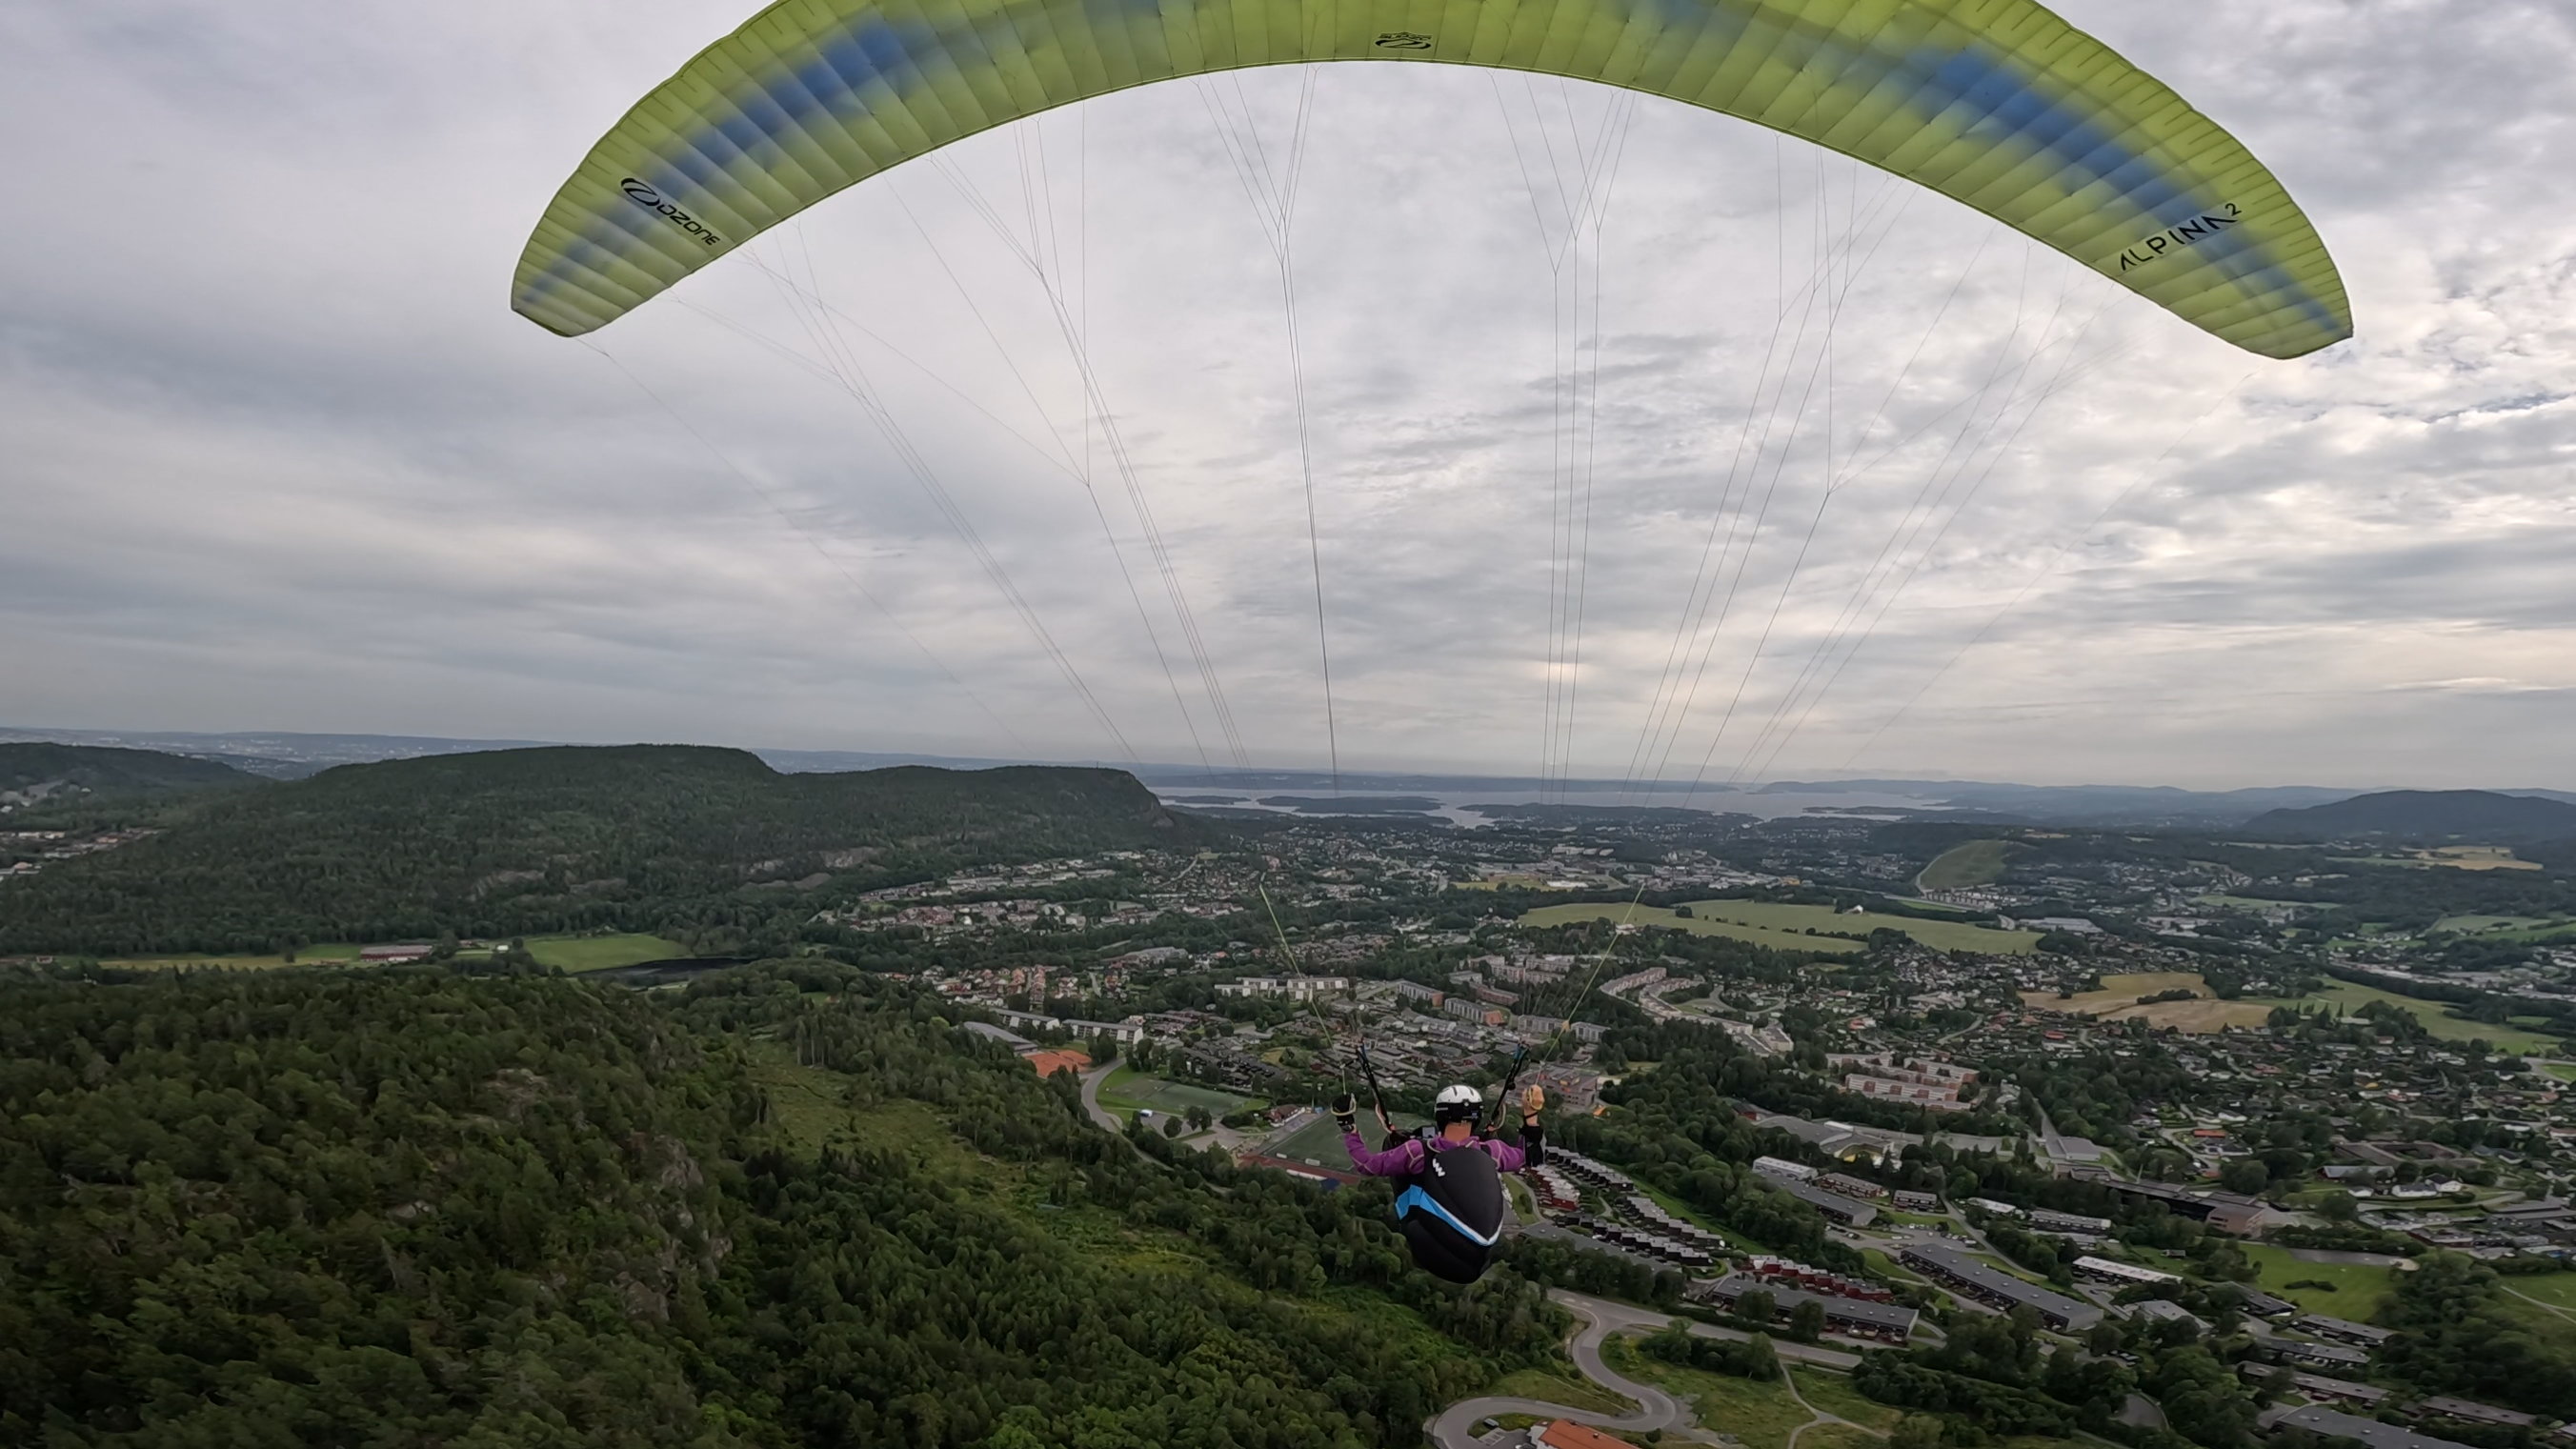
{"x": 2482, "y": 925}
{"x": 599, "y": 953}
{"x": 2358, "y": 1287}
{"x": 1784, "y": 927}
{"x": 2456, "y": 857}
{"x": 2118, "y": 1001}
{"x": 1697, "y": 925}
{"x": 2352, "y": 995}
{"x": 1976, "y": 863}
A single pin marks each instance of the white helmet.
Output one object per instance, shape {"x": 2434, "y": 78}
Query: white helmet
{"x": 1460, "y": 1103}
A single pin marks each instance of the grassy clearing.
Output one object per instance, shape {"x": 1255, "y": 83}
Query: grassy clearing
{"x": 1319, "y": 1143}
{"x": 1560, "y": 1386}
{"x": 2558, "y": 1290}
{"x": 1784, "y": 927}
{"x": 2351, "y": 996}
{"x": 2355, "y": 1296}
{"x": 2118, "y": 1001}
{"x": 324, "y": 954}
{"x": 2455, "y": 857}
{"x": 1840, "y": 1436}
{"x": 1976, "y": 863}
{"x": 1760, "y": 1414}
{"x": 600, "y": 953}
{"x": 2478, "y": 925}
{"x": 1695, "y": 924}
{"x": 1129, "y": 1091}
{"x": 1834, "y": 1394}
{"x": 1939, "y": 935}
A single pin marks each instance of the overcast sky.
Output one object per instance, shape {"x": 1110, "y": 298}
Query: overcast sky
{"x": 276, "y": 454}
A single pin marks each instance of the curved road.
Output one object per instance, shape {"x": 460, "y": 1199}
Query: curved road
{"x": 1455, "y": 1427}
{"x": 1101, "y": 1116}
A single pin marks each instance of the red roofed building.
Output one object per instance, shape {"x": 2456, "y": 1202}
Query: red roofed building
{"x": 1049, "y": 1063}
{"x": 1567, "y": 1434}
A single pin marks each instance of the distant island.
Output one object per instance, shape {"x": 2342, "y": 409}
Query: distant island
{"x": 1357, "y": 805}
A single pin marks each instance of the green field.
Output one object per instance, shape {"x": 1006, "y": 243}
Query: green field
{"x": 1558, "y": 1386}
{"x": 1127, "y": 1090}
{"x": 1784, "y": 927}
{"x": 2479, "y": 925}
{"x": 2558, "y": 1290}
{"x": 322, "y": 954}
{"x": 1834, "y": 1394}
{"x": 1979, "y": 862}
{"x": 1697, "y": 926}
{"x": 1320, "y": 1142}
{"x": 2351, "y": 996}
{"x": 2356, "y": 1294}
{"x": 599, "y": 953}
{"x": 1760, "y": 1414}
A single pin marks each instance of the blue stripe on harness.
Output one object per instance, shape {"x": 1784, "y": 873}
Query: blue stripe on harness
{"x": 1415, "y": 1197}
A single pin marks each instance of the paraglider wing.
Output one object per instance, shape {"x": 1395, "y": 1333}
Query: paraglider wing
{"x": 1997, "y": 103}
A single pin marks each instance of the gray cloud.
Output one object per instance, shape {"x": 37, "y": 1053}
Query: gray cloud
{"x": 279, "y": 456}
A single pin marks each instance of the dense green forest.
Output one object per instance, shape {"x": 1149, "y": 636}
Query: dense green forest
{"x": 789, "y": 1206}
{"x": 528, "y": 841}
{"x": 73, "y": 770}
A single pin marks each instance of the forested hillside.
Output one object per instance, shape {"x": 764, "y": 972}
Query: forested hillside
{"x": 34, "y": 773}
{"x": 2423, "y": 815}
{"x": 525, "y": 841}
{"x": 406, "y": 1208}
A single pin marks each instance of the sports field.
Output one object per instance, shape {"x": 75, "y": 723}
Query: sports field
{"x": 1129, "y": 1090}
{"x": 1978, "y": 862}
{"x": 598, "y": 953}
{"x": 1320, "y": 1142}
{"x": 1784, "y": 927}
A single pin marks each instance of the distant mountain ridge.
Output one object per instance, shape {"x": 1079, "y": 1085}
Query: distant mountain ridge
{"x": 562, "y": 838}
{"x": 45, "y": 773}
{"x": 2424, "y": 815}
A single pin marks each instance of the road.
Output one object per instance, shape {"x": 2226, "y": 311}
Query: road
{"x": 1454, "y": 1428}
{"x": 1101, "y": 1116}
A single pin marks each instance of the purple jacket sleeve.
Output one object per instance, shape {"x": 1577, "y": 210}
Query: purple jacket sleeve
{"x": 1507, "y": 1156}
{"x": 1401, "y": 1160}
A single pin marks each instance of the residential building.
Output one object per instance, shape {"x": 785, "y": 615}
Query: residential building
{"x": 1992, "y": 1286}
{"x": 1885, "y": 1322}
{"x": 2335, "y": 1424}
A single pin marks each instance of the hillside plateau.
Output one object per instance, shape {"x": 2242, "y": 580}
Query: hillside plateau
{"x": 556, "y": 839}
{"x": 2422, "y": 815}
{"x": 40, "y": 775}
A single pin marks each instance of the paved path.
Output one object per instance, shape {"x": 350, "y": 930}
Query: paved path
{"x": 2527, "y": 1298}
{"x": 1102, "y": 1117}
{"x": 1454, "y": 1428}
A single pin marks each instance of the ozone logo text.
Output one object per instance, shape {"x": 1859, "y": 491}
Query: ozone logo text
{"x": 1402, "y": 40}
{"x": 643, "y": 195}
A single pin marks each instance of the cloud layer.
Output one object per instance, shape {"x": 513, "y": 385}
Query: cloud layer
{"x": 279, "y": 456}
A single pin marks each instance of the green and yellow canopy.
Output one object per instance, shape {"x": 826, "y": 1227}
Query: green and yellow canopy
{"x": 1997, "y": 103}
